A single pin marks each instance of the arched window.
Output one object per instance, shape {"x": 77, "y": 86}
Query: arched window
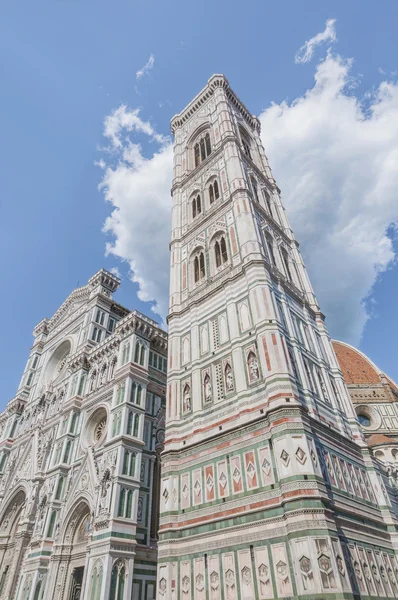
{"x": 139, "y": 391}
{"x": 82, "y": 383}
{"x": 137, "y": 352}
{"x": 26, "y": 588}
{"x": 96, "y": 582}
{"x": 285, "y": 259}
{"x": 51, "y": 525}
{"x": 136, "y": 426}
{"x": 130, "y": 423}
{"x": 267, "y": 200}
{"x": 196, "y": 206}
{"x": 122, "y": 501}
{"x": 38, "y": 587}
{"x": 129, "y": 504}
{"x": 129, "y": 463}
{"x": 60, "y": 488}
{"x": 217, "y": 252}
{"x": 133, "y": 391}
{"x": 199, "y": 267}
{"x": 255, "y": 189}
{"x": 202, "y": 149}
{"x": 67, "y": 452}
{"x": 131, "y": 471}
{"x": 223, "y": 246}
{"x": 142, "y": 355}
{"x": 245, "y": 143}
{"x": 269, "y": 246}
{"x": 117, "y": 581}
{"x": 220, "y": 251}
{"x": 214, "y": 191}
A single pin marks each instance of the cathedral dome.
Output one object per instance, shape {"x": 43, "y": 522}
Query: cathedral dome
{"x": 355, "y": 366}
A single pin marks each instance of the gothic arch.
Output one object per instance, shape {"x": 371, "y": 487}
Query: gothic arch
{"x": 200, "y": 129}
{"x": 13, "y": 549}
{"x": 53, "y": 367}
{"x": 17, "y": 498}
{"x": 76, "y": 513}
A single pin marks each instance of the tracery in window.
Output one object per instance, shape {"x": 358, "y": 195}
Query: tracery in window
{"x": 202, "y": 149}
{"x": 245, "y": 143}
{"x": 267, "y": 200}
{"x": 285, "y": 259}
{"x": 196, "y": 206}
{"x": 220, "y": 250}
{"x": 214, "y": 191}
{"x": 199, "y": 267}
{"x": 269, "y": 247}
{"x": 255, "y": 189}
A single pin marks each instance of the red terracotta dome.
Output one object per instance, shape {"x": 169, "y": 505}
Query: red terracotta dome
{"x": 355, "y": 367}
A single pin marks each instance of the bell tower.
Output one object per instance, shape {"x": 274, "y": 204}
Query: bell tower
{"x": 259, "y": 426}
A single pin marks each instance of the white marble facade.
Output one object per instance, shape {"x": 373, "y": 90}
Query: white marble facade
{"x": 79, "y": 455}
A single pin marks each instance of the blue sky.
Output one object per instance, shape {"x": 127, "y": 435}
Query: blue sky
{"x": 66, "y": 66}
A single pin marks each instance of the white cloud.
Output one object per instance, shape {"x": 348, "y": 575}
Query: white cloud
{"x": 333, "y": 154}
{"x": 305, "y": 53}
{"x": 138, "y": 188}
{"x": 335, "y": 157}
{"x": 146, "y": 68}
{"x": 115, "y": 271}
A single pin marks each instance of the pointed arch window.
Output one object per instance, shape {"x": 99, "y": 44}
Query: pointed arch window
{"x": 267, "y": 200}
{"x": 139, "y": 392}
{"x": 96, "y": 582}
{"x": 246, "y": 145}
{"x": 51, "y": 526}
{"x": 133, "y": 392}
{"x": 60, "y": 487}
{"x": 214, "y": 191}
{"x": 269, "y": 246}
{"x": 220, "y": 251}
{"x": 130, "y": 423}
{"x": 67, "y": 452}
{"x": 137, "y": 352}
{"x": 202, "y": 149}
{"x": 122, "y": 501}
{"x": 199, "y": 267}
{"x": 285, "y": 259}
{"x": 255, "y": 189}
{"x": 82, "y": 383}
{"x": 136, "y": 426}
{"x": 196, "y": 206}
{"x": 117, "y": 581}
{"x": 142, "y": 355}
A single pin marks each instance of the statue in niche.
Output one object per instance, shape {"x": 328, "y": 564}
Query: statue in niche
{"x": 103, "y": 375}
{"x": 253, "y": 366}
{"x": 186, "y": 401}
{"x": 105, "y": 488}
{"x": 229, "y": 379}
{"x": 207, "y": 388}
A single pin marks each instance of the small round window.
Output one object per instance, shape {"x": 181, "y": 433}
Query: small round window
{"x": 364, "y": 420}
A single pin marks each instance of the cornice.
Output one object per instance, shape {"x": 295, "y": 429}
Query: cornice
{"x": 217, "y": 81}
{"x": 138, "y": 323}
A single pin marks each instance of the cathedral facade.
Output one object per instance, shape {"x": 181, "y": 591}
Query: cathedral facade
{"x": 269, "y": 488}
{"x": 79, "y": 455}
